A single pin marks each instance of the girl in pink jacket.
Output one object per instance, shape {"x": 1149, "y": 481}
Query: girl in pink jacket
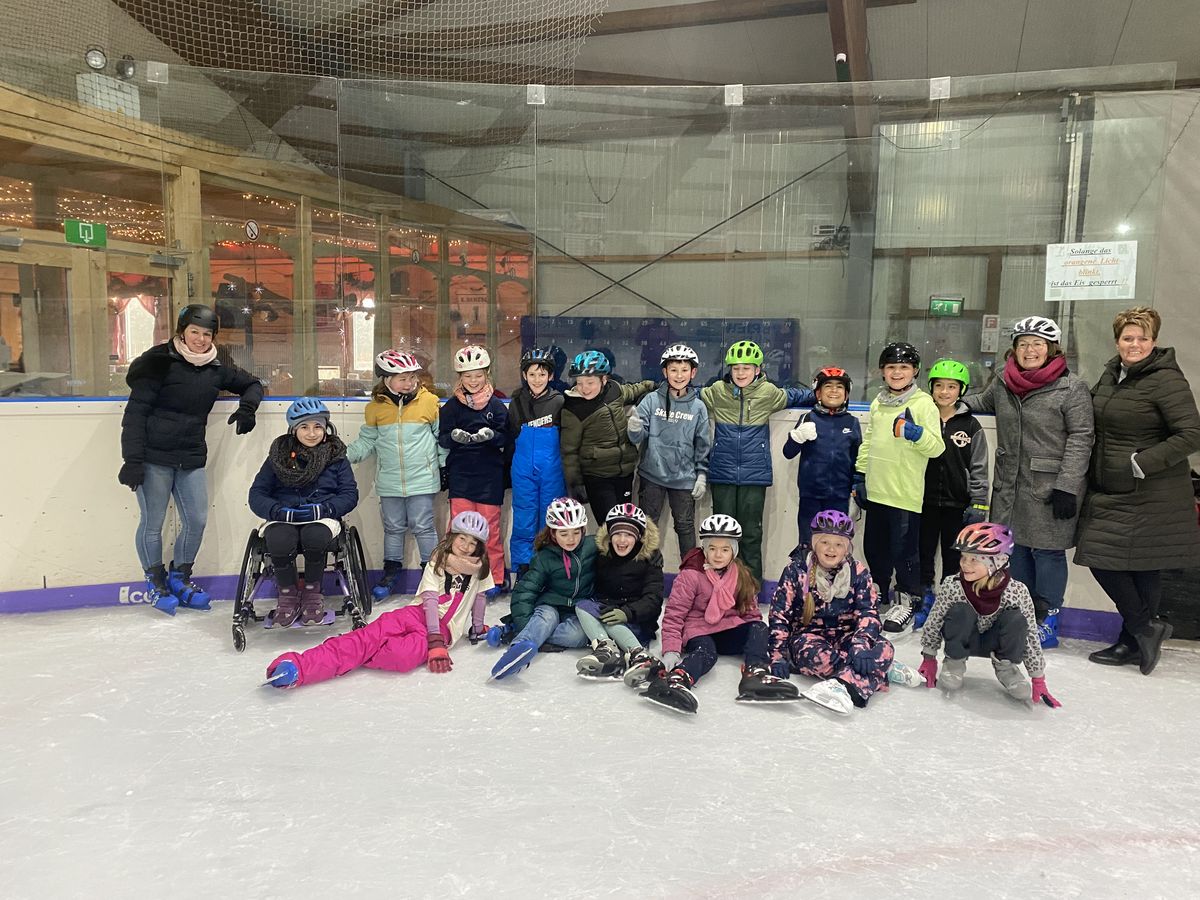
{"x": 451, "y": 591}
{"x": 713, "y": 610}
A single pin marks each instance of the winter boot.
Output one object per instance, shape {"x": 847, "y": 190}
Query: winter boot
{"x": 1009, "y": 675}
{"x": 951, "y": 677}
{"x": 901, "y": 613}
{"x": 903, "y": 673}
{"x": 1048, "y": 631}
{"x": 189, "y": 594}
{"x": 312, "y": 604}
{"x": 639, "y": 667}
{"x": 389, "y": 581}
{"x": 1150, "y": 640}
{"x": 287, "y": 608}
{"x": 923, "y": 613}
{"x": 759, "y": 685}
{"x": 158, "y": 593}
{"x": 604, "y": 663}
{"x": 674, "y": 691}
{"x": 515, "y": 658}
{"x": 282, "y": 674}
{"x": 832, "y": 695}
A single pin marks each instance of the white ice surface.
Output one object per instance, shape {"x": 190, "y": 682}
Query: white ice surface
{"x": 140, "y": 758}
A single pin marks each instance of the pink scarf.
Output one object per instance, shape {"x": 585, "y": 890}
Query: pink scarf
{"x": 196, "y": 359}
{"x": 724, "y": 592}
{"x": 477, "y": 400}
{"x": 1022, "y": 381}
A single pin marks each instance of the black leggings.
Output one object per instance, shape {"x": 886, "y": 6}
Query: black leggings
{"x": 1136, "y": 595}
{"x": 939, "y": 525}
{"x": 284, "y": 541}
{"x": 749, "y": 640}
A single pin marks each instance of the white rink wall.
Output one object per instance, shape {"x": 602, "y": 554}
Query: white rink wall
{"x": 65, "y": 520}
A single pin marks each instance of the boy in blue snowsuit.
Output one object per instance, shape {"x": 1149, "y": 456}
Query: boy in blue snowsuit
{"x": 827, "y": 440}
{"x": 536, "y": 465}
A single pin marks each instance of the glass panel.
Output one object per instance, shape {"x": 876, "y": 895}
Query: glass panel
{"x": 345, "y": 259}
{"x": 410, "y": 312}
{"x": 139, "y": 316}
{"x": 35, "y": 332}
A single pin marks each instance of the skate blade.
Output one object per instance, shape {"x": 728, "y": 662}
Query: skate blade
{"x": 747, "y": 698}
{"x": 668, "y": 707}
{"x": 833, "y": 709}
{"x": 588, "y": 676}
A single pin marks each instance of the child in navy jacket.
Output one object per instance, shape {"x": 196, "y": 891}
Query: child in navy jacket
{"x": 827, "y": 440}
{"x": 474, "y": 428}
{"x": 303, "y": 489}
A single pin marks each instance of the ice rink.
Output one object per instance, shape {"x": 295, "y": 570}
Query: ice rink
{"x": 140, "y": 758}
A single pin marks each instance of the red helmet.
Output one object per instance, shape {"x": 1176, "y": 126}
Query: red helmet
{"x": 832, "y": 373}
{"x": 985, "y": 539}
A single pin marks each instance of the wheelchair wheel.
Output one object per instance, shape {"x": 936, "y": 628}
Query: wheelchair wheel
{"x": 358, "y": 599}
{"x": 248, "y": 578}
{"x": 364, "y": 584}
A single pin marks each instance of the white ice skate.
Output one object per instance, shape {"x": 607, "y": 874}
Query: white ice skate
{"x": 832, "y": 695}
{"x": 902, "y": 673}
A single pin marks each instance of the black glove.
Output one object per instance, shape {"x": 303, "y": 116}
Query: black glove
{"x": 1065, "y": 505}
{"x": 132, "y": 474}
{"x": 244, "y": 419}
{"x": 579, "y": 492}
{"x": 973, "y": 515}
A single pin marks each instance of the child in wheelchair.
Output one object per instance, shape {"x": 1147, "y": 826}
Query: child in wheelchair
{"x": 450, "y": 596}
{"x": 303, "y": 489}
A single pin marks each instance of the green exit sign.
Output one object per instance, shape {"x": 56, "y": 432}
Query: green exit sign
{"x": 945, "y": 306}
{"x": 86, "y": 234}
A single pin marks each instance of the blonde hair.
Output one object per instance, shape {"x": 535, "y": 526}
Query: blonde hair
{"x": 1142, "y": 317}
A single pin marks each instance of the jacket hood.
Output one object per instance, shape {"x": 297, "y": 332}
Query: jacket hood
{"x": 649, "y": 543}
{"x": 610, "y": 392}
{"x": 693, "y": 559}
{"x": 1161, "y": 358}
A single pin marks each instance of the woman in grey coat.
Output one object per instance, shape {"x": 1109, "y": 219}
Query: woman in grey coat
{"x": 1140, "y": 516}
{"x": 1043, "y": 443}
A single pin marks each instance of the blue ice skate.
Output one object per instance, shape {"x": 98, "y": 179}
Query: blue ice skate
{"x": 187, "y": 592}
{"x": 515, "y": 658}
{"x": 499, "y": 634}
{"x": 1048, "y": 631}
{"x": 157, "y": 592}
{"x": 923, "y": 613}
{"x": 283, "y": 675}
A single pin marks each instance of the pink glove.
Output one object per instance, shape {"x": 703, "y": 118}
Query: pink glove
{"x": 928, "y": 669}
{"x": 1040, "y": 693}
{"x": 439, "y": 657}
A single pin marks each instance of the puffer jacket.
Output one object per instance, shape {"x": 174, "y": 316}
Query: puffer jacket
{"x": 741, "y": 452}
{"x": 854, "y": 616}
{"x": 1043, "y": 443}
{"x": 547, "y": 581}
{"x": 593, "y": 433}
{"x": 335, "y": 486}
{"x": 895, "y": 466}
{"x": 690, "y": 593}
{"x": 169, "y": 402}
{"x": 475, "y": 472}
{"x": 404, "y": 439}
{"x": 826, "y": 468}
{"x": 1141, "y": 524}
{"x": 674, "y": 438}
{"x": 633, "y": 583}
{"x": 533, "y": 428}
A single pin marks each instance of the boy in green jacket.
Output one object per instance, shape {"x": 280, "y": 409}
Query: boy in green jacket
{"x": 902, "y": 433}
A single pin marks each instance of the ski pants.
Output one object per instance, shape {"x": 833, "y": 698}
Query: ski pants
{"x": 495, "y": 548}
{"x": 819, "y": 657}
{"x": 398, "y": 641}
{"x": 962, "y": 637}
{"x": 745, "y": 503}
{"x": 891, "y": 543}
{"x": 939, "y": 525}
{"x": 748, "y": 640}
{"x": 537, "y": 478}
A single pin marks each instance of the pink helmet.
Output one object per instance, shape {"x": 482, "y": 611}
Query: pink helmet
{"x": 985, "y": 539}
{"x": 395, "y": 362}
{"x": 565, "y": 513}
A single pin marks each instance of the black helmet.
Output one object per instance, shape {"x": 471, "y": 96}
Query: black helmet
{"x": 538, "y": 356}
{"x": 197, "y": 314}
{"x": 900, "y": 352}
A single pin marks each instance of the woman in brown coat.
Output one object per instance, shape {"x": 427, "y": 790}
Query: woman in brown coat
{"x": 1139, "y": 516}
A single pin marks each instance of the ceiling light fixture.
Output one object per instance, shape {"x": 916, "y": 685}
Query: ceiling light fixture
{"x": 96, "y": 58}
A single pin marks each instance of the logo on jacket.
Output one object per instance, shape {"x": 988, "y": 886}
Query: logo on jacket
{"x": 675, "y": 416}
{"x": 960, "y": 438}
{"x": 845, "y": 431}
{"x": 541, "y": 422}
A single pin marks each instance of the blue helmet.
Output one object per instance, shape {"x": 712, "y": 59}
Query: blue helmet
{"x": 307, "y": 409}
{"x": 538, "y": 356}
{"x": 590, "y": 362}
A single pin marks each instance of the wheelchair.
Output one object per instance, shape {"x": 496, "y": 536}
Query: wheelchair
{"x": 349, "y": 564}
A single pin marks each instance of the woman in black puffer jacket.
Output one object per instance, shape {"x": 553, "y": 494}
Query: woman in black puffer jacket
{"x": 1139, "y": 515}
{"x": 172, "y": 389}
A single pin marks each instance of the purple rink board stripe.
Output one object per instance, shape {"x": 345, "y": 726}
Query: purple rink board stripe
{"x": 1088, "y": 624}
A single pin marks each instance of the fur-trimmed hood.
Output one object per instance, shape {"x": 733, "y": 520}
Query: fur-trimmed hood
{"x": 650, "y": 542}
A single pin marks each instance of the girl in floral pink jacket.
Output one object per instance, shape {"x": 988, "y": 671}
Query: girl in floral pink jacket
{"x": 712, "y": 611}
{"x": 450, "y": 595}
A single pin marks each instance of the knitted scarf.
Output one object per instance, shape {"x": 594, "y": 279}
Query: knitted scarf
{"x": 196, "y": 359}
{"x": 888, "y": 397}
{"x": 1022, "y": 381}
{"x": 985, "y": 600}
{"x": 724, "y": 592}
{"x": 477, "y": 400}
{"x": 296, "y": 465}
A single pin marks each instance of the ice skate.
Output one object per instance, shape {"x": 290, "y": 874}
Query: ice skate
{"x": 1009, "y": 675}
{"x": 499, "y": 634}
{"x": 639, "y": 667}
{"x": 901, "y": 613}
{"x": 187, "y": 592}
{"x": 903, "y": 673}
{"x": 674, "y": 692}
{"x": 158, "y": 594}
{"x": 926, "y": 608}
{"x": 1048, "y": 631}
{"x": 283, "y": 675}
{"x": 604, "y": 663}
{"x": 758, "y": 685}
{"x": 286, "y": 609}
{"x": 515, "y": 658}
{"x": 832, "y": 695}
{"x": 389, "y": 581}
{"x": 951, "y": 677}
{"x": 312, "y": 604}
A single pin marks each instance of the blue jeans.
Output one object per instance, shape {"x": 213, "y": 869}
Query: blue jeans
{"x": 1044, "y": 572}
{"x": 547, "y": 624}
{"x": 402, "y": 515}
{"x": 189, "y": 487}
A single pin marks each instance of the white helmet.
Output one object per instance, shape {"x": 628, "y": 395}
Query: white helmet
{"x": 1037, "y": 326}
{"x": 471, "y": 357}
{"x": 395, "y": 362}
{"x": 680, "y": 353}
{"x": 566, "y": 513}
{"x": 720, "y": 525}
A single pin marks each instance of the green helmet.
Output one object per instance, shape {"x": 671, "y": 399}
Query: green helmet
{"x": 744, "y": 353}
{"x": 952, "y": 369}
